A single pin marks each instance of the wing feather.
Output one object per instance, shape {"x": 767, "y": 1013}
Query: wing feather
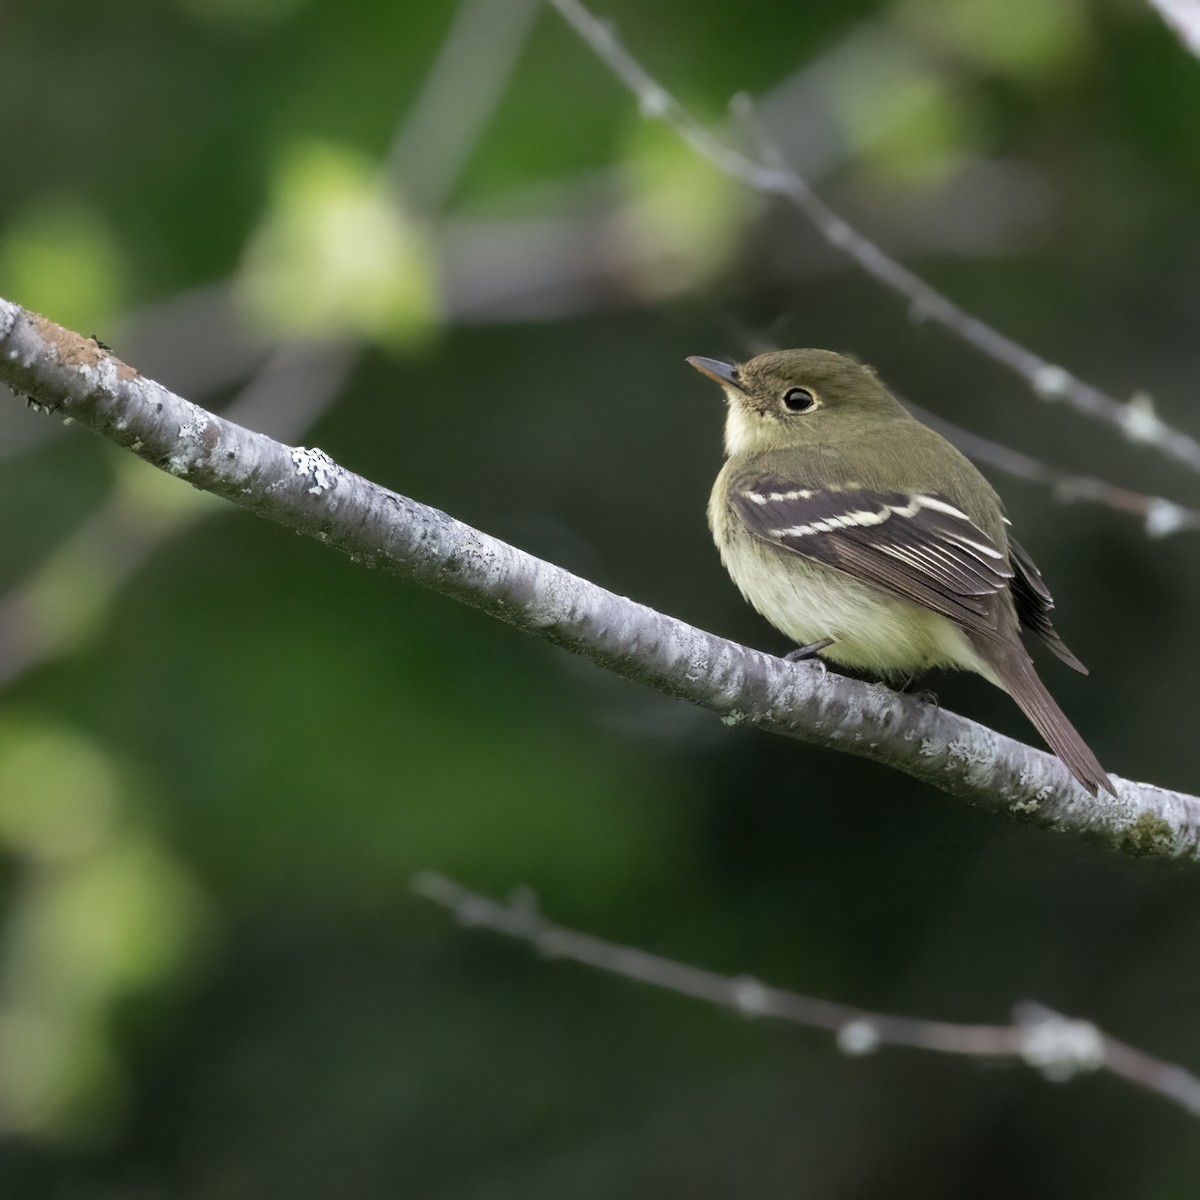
{"x": 1034, "y": 604}
{"x": 921, "y": 547}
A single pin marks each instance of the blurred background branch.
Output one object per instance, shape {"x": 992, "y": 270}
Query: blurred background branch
{"x": 1160, "y": 517}
{"x": 1059, "y": 1047}
{"x": 1138, "y": 421}
{"x": 1183, "y": 16}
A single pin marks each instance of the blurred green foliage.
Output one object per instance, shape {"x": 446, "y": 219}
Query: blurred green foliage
{"x": 224, "y": 751}
{"x": 336, "y": 254}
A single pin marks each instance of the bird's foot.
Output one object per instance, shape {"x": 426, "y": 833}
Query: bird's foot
{"x": 809, "y": 651}
{"x": 924, "y": 694}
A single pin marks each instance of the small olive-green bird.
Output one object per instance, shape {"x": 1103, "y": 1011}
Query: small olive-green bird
{"x": 859, "y": 532}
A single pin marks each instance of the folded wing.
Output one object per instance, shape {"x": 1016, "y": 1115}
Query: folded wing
{"x": 918, "y": 546}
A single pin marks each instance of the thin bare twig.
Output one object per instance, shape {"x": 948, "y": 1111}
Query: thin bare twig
{"x": 1059, "y": 1047}
{"x": 1137, "y": 421}
{"x": 1159, "y": 516}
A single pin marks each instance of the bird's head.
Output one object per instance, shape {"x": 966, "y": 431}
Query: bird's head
{"x": 792, "y": 397}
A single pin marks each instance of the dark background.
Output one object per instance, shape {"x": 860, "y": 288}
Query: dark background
{"x": 224, "y": 751}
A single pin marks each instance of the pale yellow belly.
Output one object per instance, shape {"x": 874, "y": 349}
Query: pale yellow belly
{"x": 808, "y": 601}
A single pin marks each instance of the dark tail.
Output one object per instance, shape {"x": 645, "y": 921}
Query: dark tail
{"x": 1015, "y": 670}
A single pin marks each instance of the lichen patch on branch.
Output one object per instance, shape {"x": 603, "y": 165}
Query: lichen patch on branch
{"x": 317, "y": 466}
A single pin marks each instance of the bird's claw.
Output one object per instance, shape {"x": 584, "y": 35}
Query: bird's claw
{"x": 809, "y": 651}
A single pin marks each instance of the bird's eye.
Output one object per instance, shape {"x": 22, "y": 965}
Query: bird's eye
{"x": 798, "y": 400}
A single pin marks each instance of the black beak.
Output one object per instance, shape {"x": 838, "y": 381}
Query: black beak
{"x": 724, "y": 373}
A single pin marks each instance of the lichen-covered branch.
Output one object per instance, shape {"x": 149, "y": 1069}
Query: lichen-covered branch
{"x": 305, "y": 490}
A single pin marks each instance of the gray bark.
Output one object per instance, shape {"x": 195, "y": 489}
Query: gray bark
{"x": 305, "y": 490}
